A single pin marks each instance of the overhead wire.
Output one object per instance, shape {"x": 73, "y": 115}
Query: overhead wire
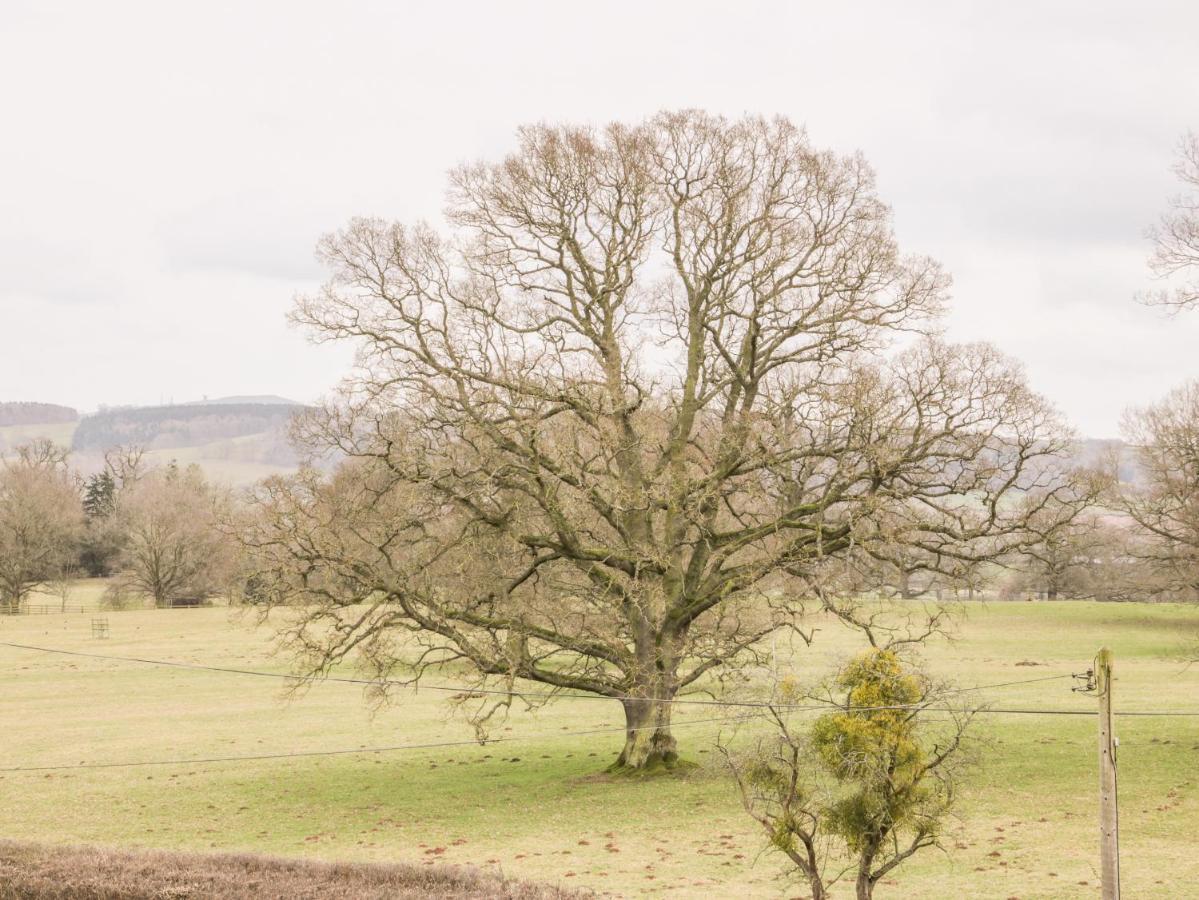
{"x": 558, "y": 695}
{"x": 484, "y": 742}
{"x": 749, "y": 704}
{"x": 824, "y": 706}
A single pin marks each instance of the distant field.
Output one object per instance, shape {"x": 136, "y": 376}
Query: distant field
{"x": 218, "y": 467}
{"x": 537, "y": 807}
{"x": 14, "y": 435}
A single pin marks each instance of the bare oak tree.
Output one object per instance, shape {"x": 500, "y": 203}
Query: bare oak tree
{"x": 1062, "y": 561}
{"x": 173, "y": 548}
{"x": 41, "y": 518}
{"x": 1176, "y": 236}
{"x": 603, "y": 435}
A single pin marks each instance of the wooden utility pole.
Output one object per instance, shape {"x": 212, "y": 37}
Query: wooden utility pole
{"x": 1109, "y": 818}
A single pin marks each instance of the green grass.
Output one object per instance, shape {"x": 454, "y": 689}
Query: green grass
{"x": 1026, "y": 826}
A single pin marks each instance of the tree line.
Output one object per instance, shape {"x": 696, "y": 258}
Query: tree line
{"x": 178, "y": 426}
{"x": 160, "y": 533}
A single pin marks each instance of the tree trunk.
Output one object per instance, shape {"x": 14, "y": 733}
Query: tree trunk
{"x": 649, "y": 745}
{"x": 816, "y": 886}
{"x": 1054, "y": 585}
{"x": 10, "y": 602}
{"x": 864, "y": 886}
{"x": 808, "y": 862}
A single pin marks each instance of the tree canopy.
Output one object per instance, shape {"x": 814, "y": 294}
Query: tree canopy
{"x": 607, "y": 431}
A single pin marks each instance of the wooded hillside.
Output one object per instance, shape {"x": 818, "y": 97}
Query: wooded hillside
{"x": 25, "y": 413}
{"x": 155, "y": 427}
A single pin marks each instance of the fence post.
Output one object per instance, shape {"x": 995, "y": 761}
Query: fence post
{"x": 1109, "y": 818}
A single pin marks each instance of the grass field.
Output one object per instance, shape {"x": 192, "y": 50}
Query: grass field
{"x": 536, "y": 807}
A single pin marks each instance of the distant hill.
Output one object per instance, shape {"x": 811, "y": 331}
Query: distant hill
{"x": 236, "y": 440}
{"x": 23, "y": 413}
{"x": 242, "y": 438}
{"x": 191, "y": 425}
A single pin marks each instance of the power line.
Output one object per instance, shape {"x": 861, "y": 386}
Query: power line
{"x": 1002, "y": 684}
{"x": 299, "y": 754}
{"x": 832, "y": 705}
{"x": 217, "y": 759}
{"x": 822, "y": 706}
{"x": 362, "y": 750}
{"x": 826, "y": 706}
{"x": 752, "y": 704}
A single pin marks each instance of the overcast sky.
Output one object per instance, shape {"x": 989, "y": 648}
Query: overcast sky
{"x": 166, "y": 168}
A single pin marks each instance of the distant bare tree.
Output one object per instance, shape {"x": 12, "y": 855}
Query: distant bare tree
{"x": 1062, "y": 566}
{"x": 1061, "y": 563}
{"x": 125, "y": 464}
{"x": 62, "y": 585}
{"x": 1164, "y": 505}
{"x": 43, "y": 455}
{"x": 1176, "y": 235}
{"x": 41, "y": 518}
{"x": 604, "y": 436}
{"x": 173, "y": 546}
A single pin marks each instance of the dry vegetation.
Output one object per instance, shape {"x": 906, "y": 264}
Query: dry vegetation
{"x": 37, "y": 872}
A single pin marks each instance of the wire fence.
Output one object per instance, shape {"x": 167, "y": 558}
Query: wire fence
{"x": 46, "y": 609}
